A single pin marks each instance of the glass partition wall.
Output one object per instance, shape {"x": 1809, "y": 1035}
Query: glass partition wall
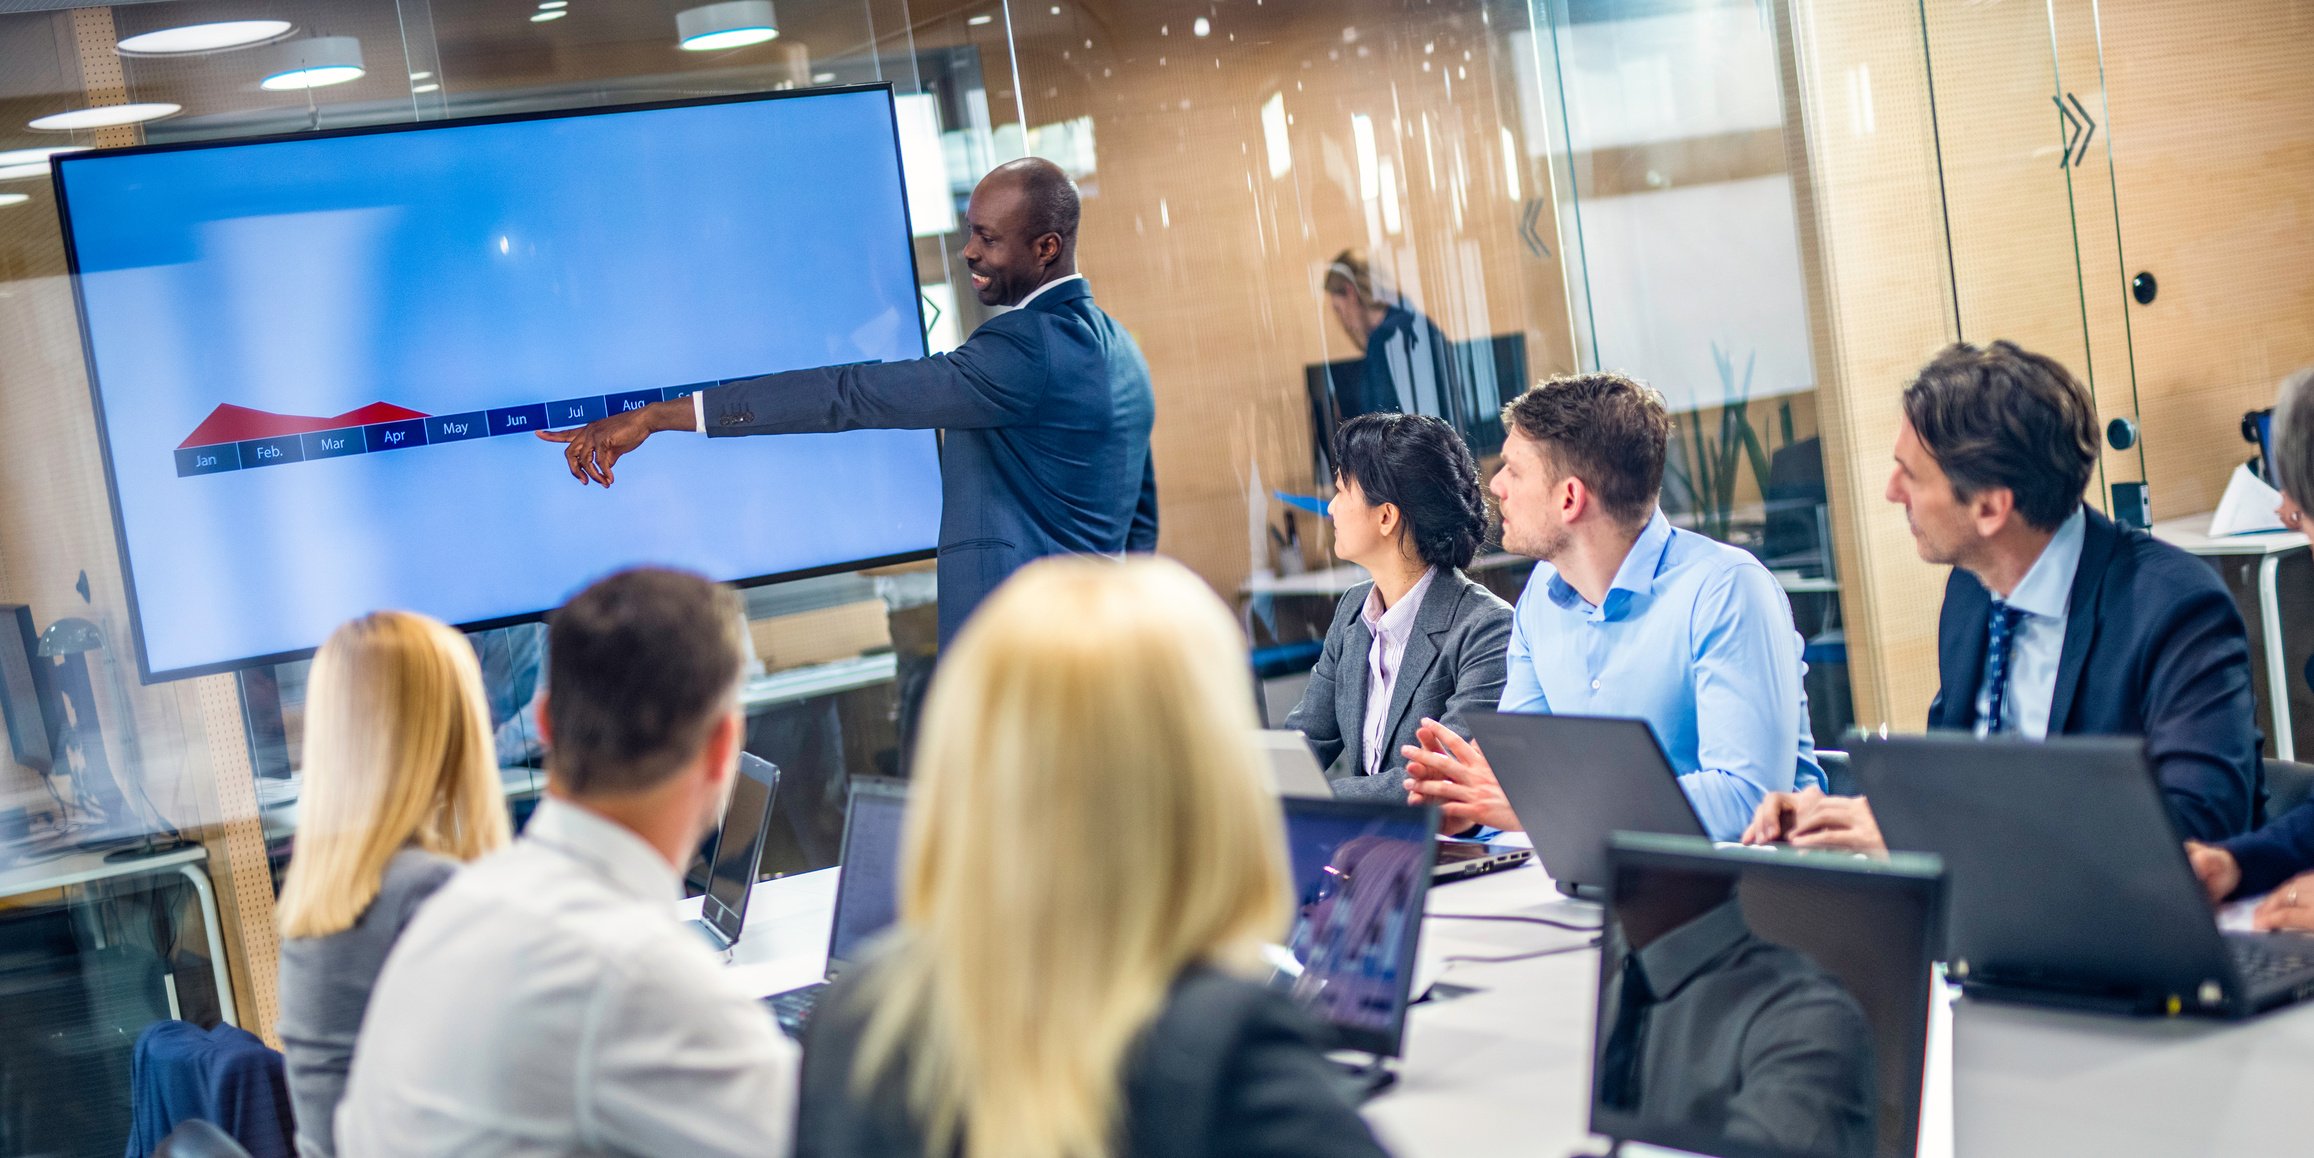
{"x": 1552, "y": 185}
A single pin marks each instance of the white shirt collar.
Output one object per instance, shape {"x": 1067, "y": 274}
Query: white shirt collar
{"x": 1396, "y": 621}
{"x": 2047, "y": 588}
{"x": 1032, "y": 294}
{"x": 625, "y": 861}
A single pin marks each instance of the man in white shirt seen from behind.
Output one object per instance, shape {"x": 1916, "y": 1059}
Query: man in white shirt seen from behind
{"x": 547, "y": 1001}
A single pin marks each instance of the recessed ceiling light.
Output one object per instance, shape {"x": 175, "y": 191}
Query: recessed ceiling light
{"x": 196, "y": 38}
{"x": 823, "y": 78}
{"x": 546, "y": 4}
{"x": 983, "y": 18}
{"x": 314, "y": 62}
{"x": 20, "y": 172}
{"x": 733, "y": 24}
{"x": 425, "y": 88}
{"x": 27, "y": 156}
{"x": 7, "y": 199}
{"x": 549, "y": 14}
{"x": 105, "y": 117}
{"x": 418, "y": 76}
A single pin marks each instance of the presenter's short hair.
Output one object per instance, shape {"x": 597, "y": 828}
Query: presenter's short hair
{"x": 1606, "y": 429}
{"x": 639, "y": 668}
{"x": 2294, "y": 438}
{"x": 2003, "y": 416}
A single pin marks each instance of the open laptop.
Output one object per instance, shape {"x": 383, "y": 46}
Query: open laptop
{"x": 1575, "y": 779}
{"x": 867, "y": 892}
{"x": 1786, "y": 1005}
{"x": 735, "y": 857}
{"x": 1295, "y": 768}
{"x": 2069, "y": 884}
{"x": 1361, "y": 875}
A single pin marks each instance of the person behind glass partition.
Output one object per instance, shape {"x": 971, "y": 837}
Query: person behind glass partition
{"x": 1092, "y": 859}
{"x": 1420, "y": 640}
{"x": 400, "y": 787}
{"x": 1410, "y": 365}
{"x": 1706, "y": 1025}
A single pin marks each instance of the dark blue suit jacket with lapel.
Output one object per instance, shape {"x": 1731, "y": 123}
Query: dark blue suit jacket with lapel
{"x": 1047, "y": 411}
{"x": 2154, "y": 647}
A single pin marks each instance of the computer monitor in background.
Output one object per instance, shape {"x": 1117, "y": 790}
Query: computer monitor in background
{"x": 24, "y": 689}
{"x": 1361, "y": 873}
{"x": 1764, "y": 1003}
{"x": 737, "y": 856}
{"x": 1488, "y": 373}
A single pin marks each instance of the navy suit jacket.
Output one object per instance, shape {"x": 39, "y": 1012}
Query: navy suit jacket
{"x": 1047, "y": 410}
{"x": 2154, "y": 647}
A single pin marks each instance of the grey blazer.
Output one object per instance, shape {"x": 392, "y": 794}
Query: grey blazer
{"x": 1453, "y": 667}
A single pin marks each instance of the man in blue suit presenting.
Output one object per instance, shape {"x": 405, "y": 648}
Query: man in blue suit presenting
{"x": 1046, "y": 407}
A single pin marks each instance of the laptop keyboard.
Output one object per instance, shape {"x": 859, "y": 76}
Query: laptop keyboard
{"x": 793, "y": 1009}
{"x": 2265, "y": 962}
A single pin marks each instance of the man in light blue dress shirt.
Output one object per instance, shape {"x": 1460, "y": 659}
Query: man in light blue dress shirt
{"x": 1627, "y": 615}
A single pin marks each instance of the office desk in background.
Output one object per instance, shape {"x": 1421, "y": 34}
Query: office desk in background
{"x": 87, "y": 868}
{"x": 2191, "y": 535}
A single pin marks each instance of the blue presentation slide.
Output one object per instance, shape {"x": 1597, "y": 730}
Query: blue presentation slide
{"x": 321, "y": 363}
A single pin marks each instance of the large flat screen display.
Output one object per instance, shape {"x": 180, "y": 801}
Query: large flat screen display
{"x": 319, "y": 362}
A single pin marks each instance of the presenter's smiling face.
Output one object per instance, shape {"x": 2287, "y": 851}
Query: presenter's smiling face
{"x": 1006, "y": 259}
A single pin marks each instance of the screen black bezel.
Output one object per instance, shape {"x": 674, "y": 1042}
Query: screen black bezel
{"x": 145, "y": 672}
{"x": 1902, "y": 873}
{"x": 1382, "y": 1042}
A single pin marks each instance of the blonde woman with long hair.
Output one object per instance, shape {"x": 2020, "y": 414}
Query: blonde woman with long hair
{"x": 401, "y": 787}
{"x": 1092, "y": 861}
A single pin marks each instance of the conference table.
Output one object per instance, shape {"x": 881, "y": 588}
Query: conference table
{"x": 1506, "y": 1068}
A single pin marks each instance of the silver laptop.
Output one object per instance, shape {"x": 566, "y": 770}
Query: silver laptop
{"x": 1293, "y": 767}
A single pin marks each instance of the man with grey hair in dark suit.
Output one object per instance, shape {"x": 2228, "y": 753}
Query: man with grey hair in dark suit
{"x": 1046, "y": 408}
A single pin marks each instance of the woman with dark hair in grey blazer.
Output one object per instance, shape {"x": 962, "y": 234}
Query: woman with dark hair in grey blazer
{"x": 1421, "y": 640}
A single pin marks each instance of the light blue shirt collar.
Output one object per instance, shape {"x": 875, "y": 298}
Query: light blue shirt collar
{"x": 2047, "y": 588}
{"x": 1634, "y": 578}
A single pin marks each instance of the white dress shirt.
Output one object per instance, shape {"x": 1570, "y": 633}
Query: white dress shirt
{"x": 547, "y": 1002}
{"x": 1390, "y": 629}
{"x": 2045, "y": 595}
{"x": 699, "y": 403}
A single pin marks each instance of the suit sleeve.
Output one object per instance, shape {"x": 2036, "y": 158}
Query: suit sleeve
{"x": 1808, "y": 1077}
{"x": 2275, "y": 853}
{"x": 1479, "y": 670}
{"x": 1142, "y": 539}
{"x": 1315, "y": 717}
{"x": 2198, "y": 715}
{"x": 1278, "y": 1099}
{"x": 996, "y": 378}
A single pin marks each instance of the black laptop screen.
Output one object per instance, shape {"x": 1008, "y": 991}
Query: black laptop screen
{"x": 868, "y": 895}
{"x": 1361, "y": 872}
{"x": 738, "y": 851}
{"x": 1758, "y": 1005}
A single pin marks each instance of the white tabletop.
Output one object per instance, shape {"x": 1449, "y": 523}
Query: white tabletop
{"x": 1508, "y": 1065}
{"x": 80, "y": 868}
{"x": 2191, "y": 533}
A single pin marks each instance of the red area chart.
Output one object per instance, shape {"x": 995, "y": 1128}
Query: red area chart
{"x": 230, "y": 423}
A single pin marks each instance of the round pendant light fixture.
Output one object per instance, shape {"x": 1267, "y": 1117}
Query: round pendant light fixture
{"x": 105, "y": 117}
{"x": 193, "y": 39}
{"x": 733, "y": 24}
{"x": 313, "y": 62}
